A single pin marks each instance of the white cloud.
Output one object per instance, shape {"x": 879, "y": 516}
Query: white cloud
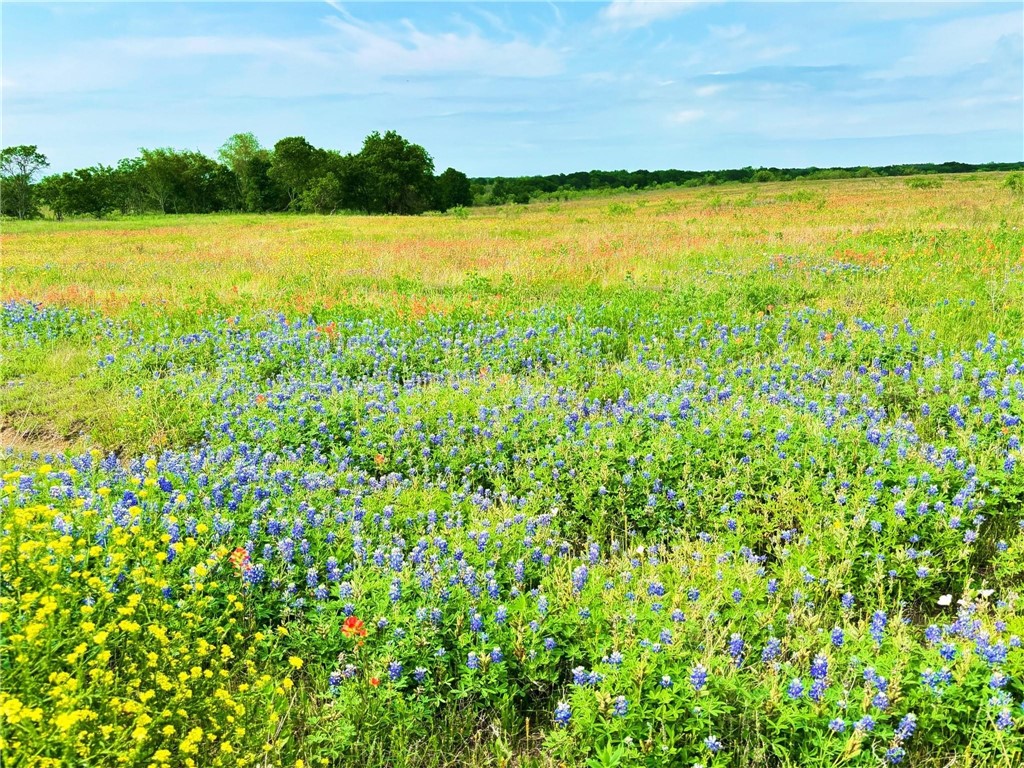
{"x": 344, "y": 56}
{"x": 731, "y": 32}
{"x": 709, "y": 90}
{"x": 684, "y": 116}
{"x": 216, "y": 45}
{"x": 406, "y": 50}
{"x": 954, "y": 46}
{"x": 634, "y": 14}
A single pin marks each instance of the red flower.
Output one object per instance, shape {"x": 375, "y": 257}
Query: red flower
{"x": 240, "y": 560}
{"x": 374, "y": 681}
{"x": 353, "y": 627}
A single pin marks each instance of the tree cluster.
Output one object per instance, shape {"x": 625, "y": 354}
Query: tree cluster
{"x": 388, "y": 175}
{"x": 500, "y": 190}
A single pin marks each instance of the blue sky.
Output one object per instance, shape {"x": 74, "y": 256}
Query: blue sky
{"x": 522, "y": 88}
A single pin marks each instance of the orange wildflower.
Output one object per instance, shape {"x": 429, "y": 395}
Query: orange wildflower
{"x": 240, "y": 560}
{"x": 353, "y": 627}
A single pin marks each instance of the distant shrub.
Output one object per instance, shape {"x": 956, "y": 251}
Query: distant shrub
{"x": 459, "y": 212}
{"x": 800, "y": 196}
{"x": 620, "y": 209}
{"x": 919, "y": 182}
{"x": 1015, "y": 183}
{"x": 829, "y": 174}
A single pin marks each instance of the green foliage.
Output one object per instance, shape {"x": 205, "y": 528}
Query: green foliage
{"x": 499, "y": 190}
{"x": 725, "y": 453}
{"x": 452, "y": 189}
{"x": 18, "y": 168}
{"x": 294, "y": 164}
{"x": 399, "y": 174}
{"x": 322, "y": 195}
{"x": 920, "y": 182}
{"x": 250, "y": 163}
{"x": 173, "y": 181}
{"x": 1015, "y": 183}
{"x": 87, "y": 191}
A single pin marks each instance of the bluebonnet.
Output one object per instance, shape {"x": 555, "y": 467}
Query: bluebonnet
{"x": 795, "y": 689}
{"x": 772, "y": 649}
{"x": 698, "y": 677}
{"x": 906, "y": 727}
{"x": 395, "y": 670}
{"x": 563, "y": 714}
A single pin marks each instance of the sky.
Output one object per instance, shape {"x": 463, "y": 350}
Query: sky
{"x": 524, "y": 88}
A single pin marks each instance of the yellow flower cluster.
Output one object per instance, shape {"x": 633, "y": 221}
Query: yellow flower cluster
{"x": 102, "y": 666}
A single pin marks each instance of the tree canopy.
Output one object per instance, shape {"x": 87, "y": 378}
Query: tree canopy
{"x": 18, "y": 168}
{"x": 388, "y": 175}
{"x": 399, "y": 174}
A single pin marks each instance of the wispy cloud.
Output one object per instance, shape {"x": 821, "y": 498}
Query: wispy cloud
{"x": 705, "y": 91}
{"x": 730, "y": 32}
{"x": 404, "y": 49}
{"x": 524, "y": 88}
{"x": 954, "y": 46}
{"x": 217, "y": 45}
{"x": 683, "y": 116}
{"x": 634, "y": 14}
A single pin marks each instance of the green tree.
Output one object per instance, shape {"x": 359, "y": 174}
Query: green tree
{"x": 250, "y": 163}
{"x": 18, "y": 168}
{"x": 352, "y": 176}
{"x": 399, "y": 175}
{"x": 159, "y": 176}
{"x": 204, "y": 185}
{"x": 127, "y": 189}
{"x": 322, "y": 195}
{"x": 294, "y": 164}
{"x": 54, "y": 191}
{"x": 91, "y": 191}
{"x": 183, "y": 181}
{"x": 452, "y": 188}
{"x": 86, "y": 191}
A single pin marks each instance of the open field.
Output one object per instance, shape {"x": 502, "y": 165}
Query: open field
{"x": 725, "y": 477}
{"x": 966, "y": 228}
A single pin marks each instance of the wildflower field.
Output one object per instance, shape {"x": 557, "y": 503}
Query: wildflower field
{"x": 726, "y": 477}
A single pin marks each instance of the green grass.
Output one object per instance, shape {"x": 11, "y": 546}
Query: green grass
{"x": 651, "y": 425}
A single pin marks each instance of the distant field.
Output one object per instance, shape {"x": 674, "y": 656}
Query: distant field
{"x": 964, "y": 232}
{"x": 716, "y": 477}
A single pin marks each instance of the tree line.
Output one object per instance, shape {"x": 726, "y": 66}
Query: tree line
{"x": 500, "y": 190}
{"x": 388, "y": 175}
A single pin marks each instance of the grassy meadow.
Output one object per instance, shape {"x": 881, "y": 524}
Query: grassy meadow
{"x": 720, "y": 476}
